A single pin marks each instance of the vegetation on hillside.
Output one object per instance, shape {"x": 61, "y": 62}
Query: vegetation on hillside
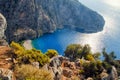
{"x": 92, "y": 65}
{"x": 90, "y": 62}
{"x": 77, "y": 51}
{"x": 110, "y": 61}
{"x": 51, "y": 53}
{"x": 24, "y": 56}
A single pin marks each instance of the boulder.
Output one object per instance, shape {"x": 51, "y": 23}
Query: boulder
{"x": 67, "y": 72}
{"x": 6, "y": 74}
{"x": 69, "y": 64}
{"x": 113, "y": 75}
{"x": 57, "y": 61}
{"x": 55, "y": 66}
{"x": 104, "y": 75}
{"x": 63, "y": 69}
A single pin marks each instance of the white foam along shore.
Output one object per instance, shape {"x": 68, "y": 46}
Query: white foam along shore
{"x": 27, "y": 44}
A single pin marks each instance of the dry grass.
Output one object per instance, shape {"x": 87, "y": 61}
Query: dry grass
{"x": 28, "y": 72}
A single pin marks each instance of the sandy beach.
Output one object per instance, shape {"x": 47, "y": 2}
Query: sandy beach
{"x": 27, "y": 44}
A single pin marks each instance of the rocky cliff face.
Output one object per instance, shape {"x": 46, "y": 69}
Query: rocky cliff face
{"x": 28, "y": 19}
{"x": 73, "y": 14}
{"x": 3, "y": 26}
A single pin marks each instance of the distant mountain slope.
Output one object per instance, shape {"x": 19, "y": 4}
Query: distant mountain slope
{"x": 28, "y": 19}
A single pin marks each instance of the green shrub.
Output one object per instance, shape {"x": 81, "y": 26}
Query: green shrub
{"x": 109, "y": 61}
{"x": 18, "y": 49}
{"x": 86, "y": 49}
{"x": 107, "y": 66}
{"x": 28, "y": 56}
{"x": 92, "y": 69}
{"x": 96, "y": 55}
{"x": 89, "y": 57}
{"x": 75, "y": 51}
{"x": 51, "y": 53}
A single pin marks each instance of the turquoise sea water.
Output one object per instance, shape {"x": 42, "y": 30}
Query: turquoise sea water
{"x": 108, "y": 38}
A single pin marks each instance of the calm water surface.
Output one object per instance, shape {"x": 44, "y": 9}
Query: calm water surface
{"x": 108, "y": 38}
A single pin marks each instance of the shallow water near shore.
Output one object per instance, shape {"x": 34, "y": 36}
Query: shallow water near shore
{"x": 108, "y": 38}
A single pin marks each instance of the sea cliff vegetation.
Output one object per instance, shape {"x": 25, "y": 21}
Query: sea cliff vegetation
{"x": 79, "y": 63}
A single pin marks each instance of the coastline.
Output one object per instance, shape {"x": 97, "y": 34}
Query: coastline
{"x": 28, "y": 44}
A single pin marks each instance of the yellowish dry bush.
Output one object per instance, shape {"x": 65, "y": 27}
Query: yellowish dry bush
{"x": 28, "y": 72}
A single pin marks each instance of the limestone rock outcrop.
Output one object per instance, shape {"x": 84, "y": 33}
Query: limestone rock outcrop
{"x": 3, "y": 26}
{"x": 113, "y": 75}
{"x": 63, "y": 69}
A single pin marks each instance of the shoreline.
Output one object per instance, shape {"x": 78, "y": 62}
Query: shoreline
{"x": 28, "y": 44}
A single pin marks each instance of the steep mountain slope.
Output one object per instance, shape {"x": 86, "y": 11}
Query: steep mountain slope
{"x": 28, "y": 19}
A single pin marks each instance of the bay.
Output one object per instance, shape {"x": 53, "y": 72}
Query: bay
{"x": 108, "y": 38}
